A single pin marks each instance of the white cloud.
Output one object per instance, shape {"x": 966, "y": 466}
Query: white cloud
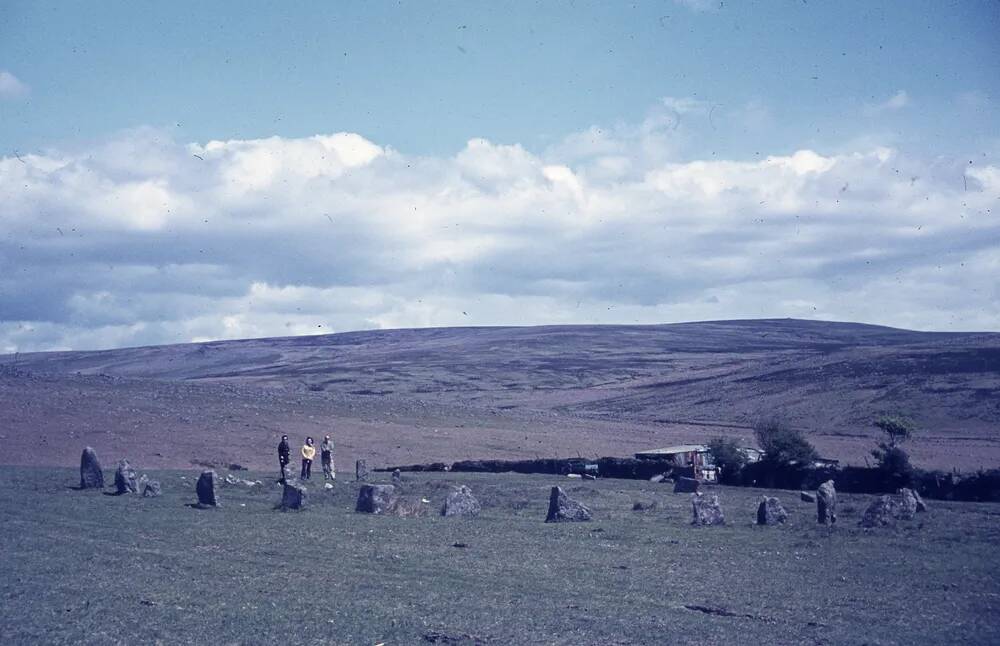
{"x": 700, "y": 5}
{"x": 896, "y": 102}
{"x": 145, "y": 240}
{"x": 11, "y": 87}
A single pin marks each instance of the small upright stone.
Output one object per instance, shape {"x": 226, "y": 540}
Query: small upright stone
{"x": 562, "y": 508}
{"x": 376, "y": 499}
{"x": 908, "y": 505}
{"x": 685, "y": 485}
{"x": 881, "y": 512}
{"x": 91, "y": 474}
{"x": 125, "y": 478}
{"x": 826, "y": 503}
{"x": 461, "y": 502}
{"x": 361, "y": 471}
{"x": 771, "y": 512}
{"x": 397, "y": 479}
{"x": 206, "y": 489}
{"x": 293, "y": 496}
{"x": 151, "y": 489}
{"x": 706, "y": 510}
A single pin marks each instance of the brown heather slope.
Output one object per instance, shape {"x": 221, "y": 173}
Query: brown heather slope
{"x": 400, "y": 396}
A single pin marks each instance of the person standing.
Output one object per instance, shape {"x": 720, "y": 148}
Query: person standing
{"x": 326, "y": 457}
{"x": 284, "y": 456}
{"x": 308, "y": 453}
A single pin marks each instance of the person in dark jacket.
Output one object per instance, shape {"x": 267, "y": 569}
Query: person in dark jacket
{"x": 284, "y": 455}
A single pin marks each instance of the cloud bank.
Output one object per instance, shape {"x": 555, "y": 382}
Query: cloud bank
{"x": 11, "y": 87}
{"x": 143, "y": 239}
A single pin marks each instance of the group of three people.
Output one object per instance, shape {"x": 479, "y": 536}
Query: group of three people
{"x": 308, "y": 453}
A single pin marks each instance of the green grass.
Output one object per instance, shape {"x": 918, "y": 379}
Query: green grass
{"x": 82, "y": 567}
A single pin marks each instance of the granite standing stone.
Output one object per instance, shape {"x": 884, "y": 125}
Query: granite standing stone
{"x": 706, "y": 510}
{"x": 206, "y": 489}
{"x": 770, "y": 511}
{"x": 151, "y": 489}
{"x": 376, "y": 499}
{"x": 563, "y": 509}
{"x": 826, "y": 503}
{"x": 881, "y": 512}
{"x": 685, "y": 485}
{"x": 361, "y": 471}
{"x": 461, "y": 502}
{"x": 293, "y": 496}
{"x": 397, "y": 479}
{"x": 91, "y": 474}
{"x": 125, "y": 478}
{"x": 908, "y": 505}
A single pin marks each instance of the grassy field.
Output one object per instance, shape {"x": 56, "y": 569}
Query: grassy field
{"x": 82, "y": 567}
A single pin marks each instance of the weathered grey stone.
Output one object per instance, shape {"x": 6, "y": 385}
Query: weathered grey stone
{"x": 125, "y": 478}
{"x": 91, "y": 474}
{"x": 461, "y": 502}
{"x": 361, "y": 470}
{"x": 881, "y": 512}
{"x": 909, "y": 504}
{"x": 685, "y": 485}
{"x": 826, "y": 503}
{"x": 151, "y": 489}
{"x": 658, "y": 478}
{"x": 293, "y": 496}
{"x": 562, "y": 508}
{"x": 206, "y": 489}
{"x": 921, "y": 505}
{"x": 805, "y": 496}
{"x": 376, "y": 499}
{"x": 706, "y": 510}
{"x": 397, "y": 479}
{"x": 770, "y": 511}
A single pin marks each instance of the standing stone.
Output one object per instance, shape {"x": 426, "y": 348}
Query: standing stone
{"x": 206, "y": 489}
{"x": 376, "y": 499}
{"x": 826, "y": 503}
{"x": 908, "y": 504}
{"x": 151, "y": 489}
{"x": 805, "y": 496}
{"x": 770, "y": 511}
{"x": 706, "y": 510}
{"x": 125, "y": 478}
{"x": 461, "y": 502}
{"x": 361, "y": 470}
{"x": 91, "y": 474}
{"x": 562, "y": 508}
{"x": 397, "y": 479}
{"x": 685, "y": 485}
{"x": 881, "y": 512}
{"x": 293, "y": 496}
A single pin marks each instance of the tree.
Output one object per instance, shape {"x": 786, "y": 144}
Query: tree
{"x": 893, "y": 461}
{"x": 783, "y": 445}
{"x": 727, "y": 455}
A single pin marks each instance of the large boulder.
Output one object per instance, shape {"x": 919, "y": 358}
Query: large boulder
{"x": 770, "y": 511}
{"x": 293, "y": 496}
{"x": 706, "y": 510}
{"x": 685, "y": 485}
{"x": 461, "y": 502}
{"x": 376, "y": 499}
{"x": 563, "y": 509}
{"x": 126, "y": 480}
{"x": 826, "y": 503}
{"x": 361, "y": 470}
{"x": 881, "y": 512}
{"x": 91, "y": 474}
{"x": 206, "y": 489}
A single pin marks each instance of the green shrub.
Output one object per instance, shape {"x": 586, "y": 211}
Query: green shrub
{"x": 783, "y": 445}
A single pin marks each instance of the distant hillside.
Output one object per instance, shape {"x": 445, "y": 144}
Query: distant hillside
{"x": 828, "y": 378}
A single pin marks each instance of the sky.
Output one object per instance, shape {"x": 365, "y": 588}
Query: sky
{"x": 175, "y": 172}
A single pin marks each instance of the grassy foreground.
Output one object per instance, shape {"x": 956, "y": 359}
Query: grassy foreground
{"x": 82, "y": 567}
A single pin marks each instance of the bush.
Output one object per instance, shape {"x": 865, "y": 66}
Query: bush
{"x": 727, "y": 456}
{"x": 893, "y": 461}
{"x": 782, "y": 444}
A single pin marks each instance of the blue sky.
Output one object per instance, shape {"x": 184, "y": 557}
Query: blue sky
{"x": 497, "y": 163}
